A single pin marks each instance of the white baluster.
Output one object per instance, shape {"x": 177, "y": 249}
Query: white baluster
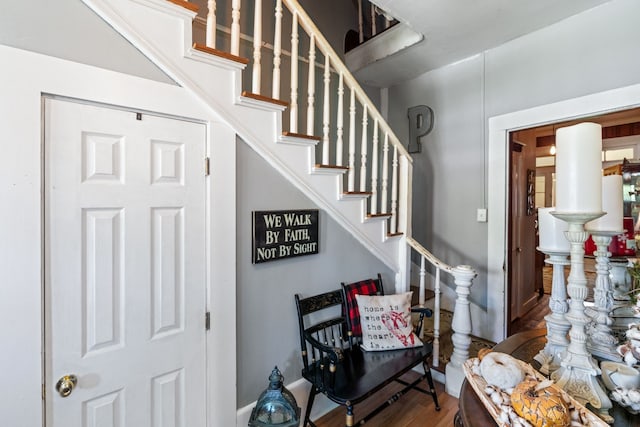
{"x": 385, "y": 174}
{"x": 351, "y": 178}
{"x": 340, "y": 120}
{"x": 325, "y": 111}
{"x": 235, "y": 27}
{"x": 277, "y": 52}
{"x": 363, "y": 150}
{"x": 436, "y": 320}
{"x": 374, "y": 170}
{"x": 211, "y": 24}
{"x": 293, "y": 106}
{"x": 373, "y": 20}
{"x": 311, "y": 85}
{"x": 394, "y": 191}
{"x": 257, "y": 45}
{"x": 360, "y": 19}
{"x": 421, "y": 284}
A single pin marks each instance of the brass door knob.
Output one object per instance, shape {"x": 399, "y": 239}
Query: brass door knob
{"x": 66, "y": 384}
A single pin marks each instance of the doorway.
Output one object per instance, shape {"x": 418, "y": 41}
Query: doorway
{"x": 125, "y": 260}
{"x": 621, "y": 139}
{"x": 522, "y": 284}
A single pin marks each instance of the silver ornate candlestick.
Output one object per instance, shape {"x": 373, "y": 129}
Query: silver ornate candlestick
{"x": 578, "y": 371}
{"x": 557, "y": 324}
{"x": 601, "y": 342}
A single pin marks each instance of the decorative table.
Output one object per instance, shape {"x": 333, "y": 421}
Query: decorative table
{"x": 523, "y": 346}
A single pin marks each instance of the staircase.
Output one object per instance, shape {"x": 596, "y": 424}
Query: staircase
{"x": 306, "y": 115}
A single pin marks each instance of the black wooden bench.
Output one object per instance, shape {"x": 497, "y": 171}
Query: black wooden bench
{"x": 335, "y": 364}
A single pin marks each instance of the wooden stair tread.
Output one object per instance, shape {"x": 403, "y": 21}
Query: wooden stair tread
{"x": 301, "y": 135}
{"x": 187, "y": 5}
{"x": 320, "y": 166}
{"x": 379, "y": 215}
{"x": 263, "y": 98}
{"x": 218, "y": 53}
{"x": 357, "y": 193}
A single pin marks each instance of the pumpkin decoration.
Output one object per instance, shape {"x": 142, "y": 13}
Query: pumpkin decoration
{"x": 540, "y": 404}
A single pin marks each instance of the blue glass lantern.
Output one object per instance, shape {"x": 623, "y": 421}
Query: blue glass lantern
{"x": 276, "y": 405}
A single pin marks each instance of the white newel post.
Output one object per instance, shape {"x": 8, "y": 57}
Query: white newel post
{"x": 461, "y": 326}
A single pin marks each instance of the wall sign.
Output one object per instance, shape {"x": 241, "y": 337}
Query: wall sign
{"x": 284, "y": 234}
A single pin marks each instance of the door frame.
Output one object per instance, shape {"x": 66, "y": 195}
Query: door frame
{"x": 21, "y": 301}
{"x": 498, "y": 175}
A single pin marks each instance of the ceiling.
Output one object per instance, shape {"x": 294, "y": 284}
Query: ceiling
{"x": 457, "y": 29}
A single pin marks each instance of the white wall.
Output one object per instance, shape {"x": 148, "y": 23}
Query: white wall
{"x": 588, "y": 53}
{"x": 21, "y": 295}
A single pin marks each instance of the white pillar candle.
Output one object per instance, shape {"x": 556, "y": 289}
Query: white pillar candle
{"x": 551, "y": 232}
{"x": 578, "y": 168}
{"x": 611, "y": 204}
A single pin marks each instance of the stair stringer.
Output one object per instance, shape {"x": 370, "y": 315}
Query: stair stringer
{"x": 162, "y": 31}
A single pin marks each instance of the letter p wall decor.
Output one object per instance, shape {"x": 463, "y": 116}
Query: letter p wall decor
{"x": 420, "y": 123}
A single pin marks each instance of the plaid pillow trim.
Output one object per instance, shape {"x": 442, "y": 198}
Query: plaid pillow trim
{"x": 364, "y": 287}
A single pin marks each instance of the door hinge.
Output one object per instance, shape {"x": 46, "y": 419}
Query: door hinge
{"x": 207, "y": 321}
{"x": 138, "y": 116}
{"x": 207, "y": 169}
{"x": 44, "y": 392}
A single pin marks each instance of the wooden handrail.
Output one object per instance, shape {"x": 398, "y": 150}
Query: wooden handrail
{"x": 429, "y": 256}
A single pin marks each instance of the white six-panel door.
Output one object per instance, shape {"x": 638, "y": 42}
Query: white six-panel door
{"x": 125, "y": 267}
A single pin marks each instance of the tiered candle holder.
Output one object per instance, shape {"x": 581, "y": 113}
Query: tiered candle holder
{"x": 557, "y": 324}
{"x": 578, "y": 371}
{"x": 602, "y": 343}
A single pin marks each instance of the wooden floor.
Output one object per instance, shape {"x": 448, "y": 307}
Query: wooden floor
{"x": 412, "y": 409}
{"x": 534, "y": 319}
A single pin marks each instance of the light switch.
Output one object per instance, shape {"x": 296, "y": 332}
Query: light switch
{"x": 482, "y": 215}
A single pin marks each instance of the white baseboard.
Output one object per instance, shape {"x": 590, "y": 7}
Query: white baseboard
{"x": 300, "y": 390}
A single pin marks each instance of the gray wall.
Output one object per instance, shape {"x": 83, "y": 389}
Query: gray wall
{"x": 591, "y": 52}
{"x": 267, "y": 322}
{"x": 68, "y": 29}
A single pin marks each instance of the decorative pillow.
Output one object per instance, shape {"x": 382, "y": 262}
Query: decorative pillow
{"x": 363, "y": 287}
{"x": 386, "y": 322}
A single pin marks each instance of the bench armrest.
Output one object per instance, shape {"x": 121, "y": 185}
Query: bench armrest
{"x": 335, "y": 353}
